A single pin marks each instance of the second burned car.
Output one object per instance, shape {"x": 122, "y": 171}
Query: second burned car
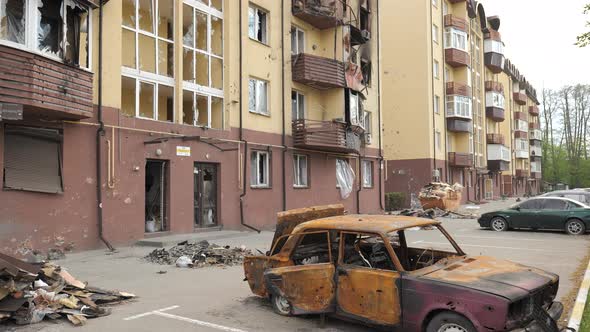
{"x": 400, "y": 272}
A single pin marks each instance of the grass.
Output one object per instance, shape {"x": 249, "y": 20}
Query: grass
{"x": 585, "y": 325}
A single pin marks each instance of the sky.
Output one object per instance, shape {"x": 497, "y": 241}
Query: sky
{"x": 540, "y": 36}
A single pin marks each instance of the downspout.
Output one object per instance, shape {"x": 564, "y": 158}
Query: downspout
{"x": 99, "y": 133}
{"x": 284, "y": 140}
{"x": 242, "y": 127}
{"x": 379, "y": 107}
{"x": 433, "y": 94}
{"x": 360, "y": 184}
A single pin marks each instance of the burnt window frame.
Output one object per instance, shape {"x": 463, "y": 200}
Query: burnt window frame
{"x": 367, "y": 71}
{"x": 393, "y": 259}
{"x": 301, "y": 236}
{"x": 32, "y": 17}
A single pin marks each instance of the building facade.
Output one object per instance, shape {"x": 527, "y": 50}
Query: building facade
{"x": 137, "y": 118}
{"x": 452, "y": 103}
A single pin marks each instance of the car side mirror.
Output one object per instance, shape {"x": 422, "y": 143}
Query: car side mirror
{"x": 517, "y": 208}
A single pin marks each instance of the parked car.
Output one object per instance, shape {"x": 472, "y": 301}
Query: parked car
{"x": 398, "y": 272}
{"x": 580, "y": 195}
{"x": 554, "y": 213}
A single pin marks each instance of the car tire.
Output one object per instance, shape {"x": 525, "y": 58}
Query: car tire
{"x": 281, "y": 305}
{"x": 575, "y": 227}
{"x": 499, "y": 224}
{"x": 450, "y": 322}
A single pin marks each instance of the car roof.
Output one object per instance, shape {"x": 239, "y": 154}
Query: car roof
{"x": 574, "y": 192}
{"x": 381, "y": 224}
{"x": 555, "y": 198}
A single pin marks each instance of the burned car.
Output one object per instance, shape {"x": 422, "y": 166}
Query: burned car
{"x": 397, "y": 272}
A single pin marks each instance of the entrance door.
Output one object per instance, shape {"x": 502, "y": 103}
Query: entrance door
{"x": 205, "y": 195}
{"x": 156, "y": 199}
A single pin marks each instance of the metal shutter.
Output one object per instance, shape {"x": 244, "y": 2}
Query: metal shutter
{"x": 32, "y": 159}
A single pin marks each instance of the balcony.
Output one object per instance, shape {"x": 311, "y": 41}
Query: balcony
{"x": 536, "y": 171}
{"x": 521, "y": 173}
{"x": 45, "y": 88}
{"x": 457, "y": 159}
{"x": 455, "y": 22}
{"x": 457, "y": 58}
{"x": 520, "y": 98}
{"x": 534, "y": 125}
{"x": 521, "y": 154}
{"x": 535, "y": 135}
{"x": 498, "y": 157}
{"x": 322, "y": 14}
{"x": 536, "y": 153}
{"x": 534, "y": 110}
{"x": 495, "y": 139}
{"x": 494, "y": 86}
{"x": 330, "y": 136}
{"x": 460, "y": 89}
{"x": 494, "y": 62}
{"x": 318, "y": 72}
{"x": 495, "y": 106}
{"x": 520, "y": 116}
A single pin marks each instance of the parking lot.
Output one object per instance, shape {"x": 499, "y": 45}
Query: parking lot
{"x": 216, "y": 299}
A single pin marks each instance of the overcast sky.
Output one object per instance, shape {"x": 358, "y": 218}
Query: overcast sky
{"x": 540, "y": 36}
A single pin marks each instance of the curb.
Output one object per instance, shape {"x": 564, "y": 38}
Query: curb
{"x": 578, "y": 311}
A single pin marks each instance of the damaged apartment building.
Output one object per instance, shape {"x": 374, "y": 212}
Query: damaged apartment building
{"x": 126, "y": 119}
{"x": 464, "y": 111}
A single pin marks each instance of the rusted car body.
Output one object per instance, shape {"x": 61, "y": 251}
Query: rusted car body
{"x": 374, "y": 269}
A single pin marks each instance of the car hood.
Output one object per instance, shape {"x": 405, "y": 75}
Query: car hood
{"x": 491, "y": 275}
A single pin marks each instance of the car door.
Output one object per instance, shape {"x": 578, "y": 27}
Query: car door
{"x": 552, "y": 214}
{"x": 309, "y": 284}
{"x": 524, "y": 215}
{"x": 364, "y": 292}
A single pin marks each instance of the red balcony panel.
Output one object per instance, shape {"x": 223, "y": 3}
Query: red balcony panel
{"x": 318, "y": 72}
{"x": 454, "y": 88}
{"x": 520, "y": 98}
{"x": 457, "y": 58}
{"x": 457, "y": 159}
{"x": 534, "y": 110}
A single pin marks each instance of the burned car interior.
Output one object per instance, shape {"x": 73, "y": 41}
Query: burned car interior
{"x": 368, "y": 250}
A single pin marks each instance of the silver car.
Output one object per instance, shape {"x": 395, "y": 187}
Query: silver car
{"x": 581, "y": 196}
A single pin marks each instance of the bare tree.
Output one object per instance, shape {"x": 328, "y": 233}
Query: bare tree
{"x": 584, "y": 39}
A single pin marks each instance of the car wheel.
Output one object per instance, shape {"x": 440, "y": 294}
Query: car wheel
{"x": 575, "y": 227}
{"x": 281, "y": 305}
{"x": 499, "y": 224}
{"x": 450, "y": 322}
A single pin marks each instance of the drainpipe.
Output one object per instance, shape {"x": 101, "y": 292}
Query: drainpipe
{"x": 379, "y": 107}
{"x": 433, "y": 94}
{"x": 283, "y": 106}
{"x": 99, "y": 133}
{"x": 360, "y": 188}
{"x": 244, "y": 192}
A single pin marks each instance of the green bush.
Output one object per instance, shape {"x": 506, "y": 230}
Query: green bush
{"x": 394, "y": 201}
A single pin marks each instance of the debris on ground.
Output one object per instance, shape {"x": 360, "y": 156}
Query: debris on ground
{"x": 198, "y": 254}
{"x": 436, "y": 213}
{"x": 441, "y": 195}
{"x": 30, "y": 293}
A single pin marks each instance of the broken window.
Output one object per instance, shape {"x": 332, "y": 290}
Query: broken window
{"x": 344, "y": 177}
{"x": 188, "y": 107}
{"x": 355, "y": 108}
{"x": 258, "y": 96}
{"x": 12, "y": 20}
{"x": 297, "y": 105}
{"x": 260, "y": 169}
{"x": 257, "y": 24}
{"x": 313, "y": 248}
{"x": 366, "y": 68}
{"x": 201, "y": 110}
{"x": 297, "y": 41}
{"x": 33, "y": 159}
{"x": 367, "y": 166}
{"x": 128, "y": 96}
{"x": 165, "y": 103}
{"x": 50, "y": 26}
{"x": 147, "y": 99}
{"x": 365, "y": 250}
{"x": 300, "y": 171}
{"x": 365, "y": 16}
{"x": 419, "y": 252}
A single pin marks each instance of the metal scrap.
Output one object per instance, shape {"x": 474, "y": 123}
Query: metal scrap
{"x": 30, "y": 293}
{"x": 201, "y": 254}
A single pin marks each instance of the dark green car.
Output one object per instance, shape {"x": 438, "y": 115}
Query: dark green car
{"x": 555, "y": 213}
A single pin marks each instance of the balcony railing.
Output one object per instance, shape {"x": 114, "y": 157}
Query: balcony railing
{"x": 323, "y": 136}
{"x": 534, "y": 125}
{"x": 521, "y": 154}
{"x": 520, "y": 98}
{"x": 534, "y": 110}
{"x": 457, "y": 159}
{"x": 318, "y": 72}
{"x": 494, "y": 52}
{"x": 536, "y": 151}
{"x": 495, "y": 139}
{"x": 536, "y": 134}
{"x": 460, "y": 89}
{"x": 48, "y": 88}
{"x": 455, "y": 22}
{"x": 498, "y": 152}
{"x": 457, "y": 58}
{"x": 322, "y": 14}
{"x": 536, "y": 168}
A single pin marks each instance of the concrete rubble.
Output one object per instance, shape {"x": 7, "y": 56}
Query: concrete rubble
{"x": 441, "y": 195}
{"x": 198, "y": 254}
{"x": 30, "y": 293}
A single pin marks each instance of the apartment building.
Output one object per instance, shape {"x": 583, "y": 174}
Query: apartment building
{"x": 455, "y": 109}
{"x": 137, "y": 118}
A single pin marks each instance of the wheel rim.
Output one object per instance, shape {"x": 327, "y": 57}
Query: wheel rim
{"x": 282, "y": 305}
{"x": 498, "y": 224}
{"x": 575, "y": 227}
{"x": 452, "y": 327}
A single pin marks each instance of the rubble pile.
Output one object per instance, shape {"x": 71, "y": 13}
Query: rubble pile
{"x": 441, "y": 195}
{"x": 30, "y": 293}
{"x": 198, "y": 254}
{"x": 436, "y": 213}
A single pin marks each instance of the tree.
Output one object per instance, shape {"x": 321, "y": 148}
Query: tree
{"x": 584, "y": 39}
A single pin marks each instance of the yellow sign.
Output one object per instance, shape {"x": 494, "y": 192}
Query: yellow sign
{"x": 183, "y": 151}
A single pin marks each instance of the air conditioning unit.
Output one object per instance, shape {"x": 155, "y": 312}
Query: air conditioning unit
{"x": 366, "y": 34}
{"x": 368, "y": 139}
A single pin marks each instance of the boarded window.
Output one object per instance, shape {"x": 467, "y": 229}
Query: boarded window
{"x": 32, "y": 159}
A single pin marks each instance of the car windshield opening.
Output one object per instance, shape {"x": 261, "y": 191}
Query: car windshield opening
{"x": 420, "y": 247}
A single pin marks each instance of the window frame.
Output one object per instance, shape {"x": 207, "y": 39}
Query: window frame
{"x": 436, "y": 104}
{"x": 436, "y": 69}
{"x": 435, "y": 32}
{"x": 297, "y": 157}
{"x": 256, "y": 91}
{"x": 300, "y": 48}
{"x": 450, "y": 40}
{"x": 267, "y": 173}
{"x": 301, "y": 107}
{"x": 265, "y": 35}
{"x": 459, "y": 106}
{"x": 366, "y": 175}
{"x": 31, "y": 42}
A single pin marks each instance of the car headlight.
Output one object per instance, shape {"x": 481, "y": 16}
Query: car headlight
{"x": 521, "y": 310}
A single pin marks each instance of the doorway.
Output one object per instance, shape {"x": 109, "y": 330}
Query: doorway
{"x": 156, "y": 200}
{"x": 205, "y": 195}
